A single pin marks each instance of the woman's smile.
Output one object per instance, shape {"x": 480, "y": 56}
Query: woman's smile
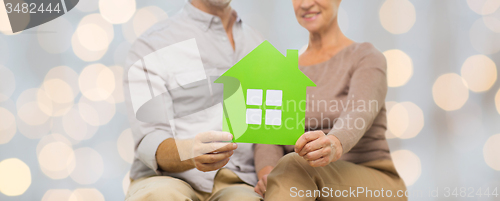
{"x": 309, "y": 16}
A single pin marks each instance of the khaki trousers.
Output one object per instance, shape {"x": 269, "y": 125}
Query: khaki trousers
{"x": 294, "y": 179}
{"x": 227, "y": 187}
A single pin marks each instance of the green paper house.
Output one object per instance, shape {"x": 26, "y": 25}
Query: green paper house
{"x": 265, "y": 97}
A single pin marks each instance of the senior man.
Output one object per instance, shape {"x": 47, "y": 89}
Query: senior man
{"x": 158, "y": 173}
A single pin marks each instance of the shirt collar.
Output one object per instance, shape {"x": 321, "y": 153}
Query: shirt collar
{"x": 205, "y": 19}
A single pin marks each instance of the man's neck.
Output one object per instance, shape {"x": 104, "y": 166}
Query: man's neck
{"x": 225, "y": 13}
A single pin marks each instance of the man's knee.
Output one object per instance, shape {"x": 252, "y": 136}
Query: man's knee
{"x": 239, "y": 193}
{"x": 159, "y": 188}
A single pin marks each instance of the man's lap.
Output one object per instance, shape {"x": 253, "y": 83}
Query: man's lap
{"x": 227, "y": 186}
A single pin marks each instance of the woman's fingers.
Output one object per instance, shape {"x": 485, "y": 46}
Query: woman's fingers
{"x": 317, "y": 154}
{"x": 318, "y": 143}
{"x": 319, "y": 162}
{"x": 260, "y": 188}
{"x": 264, "y": 180}
{"x": 305, "y": 138}
{"x": 257, "y": 189}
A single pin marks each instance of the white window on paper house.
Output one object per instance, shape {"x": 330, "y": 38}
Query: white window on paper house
{"x": 272, "y": 116}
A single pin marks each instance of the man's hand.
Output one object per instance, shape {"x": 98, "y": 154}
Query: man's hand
{"x": 318, "y": 149}
{"x": 261, "y": 186}
{"x": 212, "y": 150}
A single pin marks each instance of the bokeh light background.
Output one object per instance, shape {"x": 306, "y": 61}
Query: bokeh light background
{"x": 64, "y": 134}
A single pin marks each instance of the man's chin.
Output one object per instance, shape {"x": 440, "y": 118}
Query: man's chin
{"x": 219, "y": 3}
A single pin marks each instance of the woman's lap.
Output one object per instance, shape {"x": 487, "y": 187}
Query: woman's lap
{"x": 294, "y": 179}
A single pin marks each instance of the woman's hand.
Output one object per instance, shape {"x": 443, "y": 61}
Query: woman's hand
{"x": 318, "y": 149}
{"x": 261, "y": 186}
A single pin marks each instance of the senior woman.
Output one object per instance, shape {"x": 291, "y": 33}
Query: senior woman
{"x": 343, "y": 155}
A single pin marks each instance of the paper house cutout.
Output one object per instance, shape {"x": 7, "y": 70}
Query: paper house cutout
{"x": 265, "y": 97}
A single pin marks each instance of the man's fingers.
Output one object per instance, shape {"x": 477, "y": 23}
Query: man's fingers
{"x": 214, "y": 136}
{"x": 228, "y": 147}
{"x": 213, "y": 158}
{"x": 204, "y": 148}
{"x": 206, "y": 167}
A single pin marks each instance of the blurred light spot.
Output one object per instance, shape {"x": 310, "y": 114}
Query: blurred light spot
{"x": 58, "y": 90}
{"x": 84, "y": 54}
{"x": 408, "y": 165}
{"x": 483, "y": 7}
{"x": 57, "y": 195}
{"x": 405, "y": 120}
{"x": 55, "y": 36}
{"x": 57, "y": 160}
{"x": 492, "y": 23}
{"x": 88, "y": 5}
{"x": 125, "y": 145}
{"x": 388, "y": 107}
{"x": 33, "y": 131}
{"x": 7, "y": 83}
{"x": 480, "y": 73}
{"x": 143, "y": 19}
{"x": 31, "y": 114}
{"x": 4, "y": 52}
{"x": 415, "y": 120}
{"x": 89, "y": 166}
{"x": 48, "y": 139}
{"x": 50, "y": 107}
{"x": 84, "y": 194}
{"x": 5, "y": 27}
{"x": 343, "y": 20}
{"x": 497, "y": 101}
{"x": 118, "y": 91}
{"x": 8, "y": 126}
{"x": 32, "y": 121}
{"x": 92, "y": 37}
{"x": 67, "y": 74}
{"x": 491, "y": 152}
{"x": 76, "y": 127}
{"x": 450, "y": 91}
{"x": 15, "y": 177}
{"x": 97, "y": 113}
{"x": 399, "y": 67}
{"x": 97, "y": 82}
{"x": 397, "y": 16}
{"x": 397, "y": 120}
{"x": 483, "y": 39}
{"x": 121, "y": 53}
{"x": 126, "y": 183}
{"x": 117, "y": 11}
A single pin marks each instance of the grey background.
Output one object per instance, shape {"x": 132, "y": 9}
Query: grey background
{"x": 438, "y": 43}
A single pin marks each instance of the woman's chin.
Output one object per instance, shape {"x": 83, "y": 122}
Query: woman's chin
{"x": 312, "y": 28}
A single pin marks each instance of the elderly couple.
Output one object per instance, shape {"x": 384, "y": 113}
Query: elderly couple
{"x": 328, "y": 162}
